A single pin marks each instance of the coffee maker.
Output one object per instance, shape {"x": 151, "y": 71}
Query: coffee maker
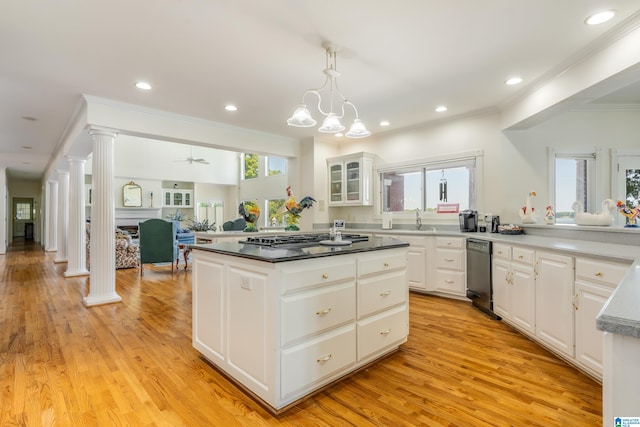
{"x": 468, "y": 220}
{"x": 493, "y": 222}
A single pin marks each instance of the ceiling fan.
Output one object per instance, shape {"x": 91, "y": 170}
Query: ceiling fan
{"x": 192, "y": 159}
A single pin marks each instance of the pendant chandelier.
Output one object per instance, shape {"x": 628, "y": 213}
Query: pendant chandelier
{"x": 331, "y": 124}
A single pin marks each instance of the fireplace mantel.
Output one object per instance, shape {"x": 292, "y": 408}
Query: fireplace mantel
{"x": 132, "y": 216}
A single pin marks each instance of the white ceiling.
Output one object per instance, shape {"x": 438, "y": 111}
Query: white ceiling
{"x": 399, "y": 60}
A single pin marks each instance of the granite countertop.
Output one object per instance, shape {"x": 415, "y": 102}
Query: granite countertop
{"x": 292, "y": 252}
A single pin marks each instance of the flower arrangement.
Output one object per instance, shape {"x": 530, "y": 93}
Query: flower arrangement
{"x": 176, "y": 216}
{"x": 196, "y": 225}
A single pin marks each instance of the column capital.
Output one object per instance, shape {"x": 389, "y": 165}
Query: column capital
{"x": 62, "y": 172}
{"x": 96, "y": 131}
{"x": 76, "y": 159}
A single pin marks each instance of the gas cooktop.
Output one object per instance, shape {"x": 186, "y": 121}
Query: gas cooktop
{"x": 299, "y": 240}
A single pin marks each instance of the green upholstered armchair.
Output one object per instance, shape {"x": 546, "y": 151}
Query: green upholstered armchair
{"x": 157, "y": 242}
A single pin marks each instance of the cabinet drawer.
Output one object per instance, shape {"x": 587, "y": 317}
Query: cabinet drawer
{"x": 412, "y": 240}
{"x": 381, "y": 332}
{"x": 305, "y": 274}
{"x": 312, "y": 361}
{"x": 523, "y": 256}
{"x": 383, "y": 261}
{"x": 598, "y": 271}
{"x": 502, "y": 251}
{"x": 317, "y": 310}
{"x": 381, "y": 292}
{"x": 450, "y": 242}
{"x": 451, "y": 259}
{"x": 451, "y": 282}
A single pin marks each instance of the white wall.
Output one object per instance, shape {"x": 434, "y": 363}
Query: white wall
{"x": 515, "y": 162}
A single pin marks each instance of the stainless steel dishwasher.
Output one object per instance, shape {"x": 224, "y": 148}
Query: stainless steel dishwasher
{"x": 479, "y": 287}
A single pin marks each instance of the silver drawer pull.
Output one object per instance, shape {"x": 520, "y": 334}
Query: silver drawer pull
{"x": 449, "y": 281}
{"x": 385, "y": 332}
{"x": 449, "y": 259}
{"x": 323, "y": 312}
{"x": 323, "y": 359}
{"x": 385, "y": 294}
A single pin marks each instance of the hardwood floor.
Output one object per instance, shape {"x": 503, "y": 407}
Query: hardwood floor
{"x": 132, "y": 364}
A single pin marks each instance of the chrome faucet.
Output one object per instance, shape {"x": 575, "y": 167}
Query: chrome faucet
{"x": 418, "y": 220}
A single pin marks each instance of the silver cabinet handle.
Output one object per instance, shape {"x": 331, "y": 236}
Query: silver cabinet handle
{"x": 324, "y": 358}
{"x": 449, "y": 281}
{"x": 385, "y": 332}
{"x": 323, "y": 312}
{"x": 385, "y": 293}
{"x": 449, "y": 259}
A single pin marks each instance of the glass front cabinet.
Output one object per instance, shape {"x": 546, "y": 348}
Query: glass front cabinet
{"x": 350, "y": 180}
{"x": 177, "y": 198}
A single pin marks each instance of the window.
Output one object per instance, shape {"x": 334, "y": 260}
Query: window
{"x": 23, "y": 211}
{"x": 275, "y": 166}
{"x": 430, "y": 185}
{"x": 275, "y": 212}
{"x": 574, "y": 184}
{"x": 249, "y": 166}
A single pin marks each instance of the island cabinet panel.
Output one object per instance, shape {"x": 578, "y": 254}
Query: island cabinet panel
{"x": 320, "y": 358}
{"x": 209, "y": 308}
{"x": 299, "y": 275}
{"x": 374, "y": 263}
{"x": 312, "y": 312}
{"x": 248, "y": 322}
{"x": 383, "y": 331}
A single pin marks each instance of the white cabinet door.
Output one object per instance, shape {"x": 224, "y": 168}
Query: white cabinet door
{"x": 501, "y": 288}
{"x": 416, "y": 268}
{"x": 590, "y": 298}
{"x": 554, "y": 301}
{"x": 209, "y": 308}
{"x": 336, "y": 183}
{"x": 523, "y": 297}
{"x": 351, "y": 180}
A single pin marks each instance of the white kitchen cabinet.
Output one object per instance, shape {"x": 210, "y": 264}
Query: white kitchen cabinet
{"x": 351, "y": 180}
{"x": 554, "y": 301}
{"x": 283, "y": 330}
{"x": 417, "y": 260}
{"x": 514, "y": 286}
{"x": 450, "y": 266}
{"x": 177, "y": 198}
{"x": 594, "y": 284}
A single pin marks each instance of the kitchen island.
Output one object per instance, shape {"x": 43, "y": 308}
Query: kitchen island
{"x": 286, "y": 321}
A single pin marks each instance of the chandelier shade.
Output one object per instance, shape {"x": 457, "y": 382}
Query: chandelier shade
{"x": 331, "y": 124}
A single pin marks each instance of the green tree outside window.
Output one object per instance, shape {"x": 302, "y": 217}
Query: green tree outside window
{"x": 250, "y": 166}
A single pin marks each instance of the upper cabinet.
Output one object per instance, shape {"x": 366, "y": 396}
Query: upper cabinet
{"x": 351, "y": 180}
{"x": 177, "y": 198}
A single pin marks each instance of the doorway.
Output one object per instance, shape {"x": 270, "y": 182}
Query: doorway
{"x": 23, "y": 218}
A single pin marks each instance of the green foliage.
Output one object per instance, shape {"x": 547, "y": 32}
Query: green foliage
{"x": 276, "y": 211}
{"x": 177, "y": 215}
{"x": 196, "y": 225}
{"x": 633, "y": 187}
{"x": 250, "y": 166}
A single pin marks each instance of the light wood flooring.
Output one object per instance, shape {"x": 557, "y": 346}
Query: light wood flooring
{"x": 132, "y": 364}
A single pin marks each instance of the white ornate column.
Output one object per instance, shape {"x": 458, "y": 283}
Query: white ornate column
{"x": 102, "y": 279}
{"x": 52, "y": 216}
{"x": 77, "y": 259}
{"x": 63, "y": 215}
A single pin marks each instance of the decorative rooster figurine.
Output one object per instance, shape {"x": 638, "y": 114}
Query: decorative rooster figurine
{"x": 295, "y": 209}
{"x": 528, "y": 215}
{"x": 630, "y": 213}
{"x": 250, "y": 212}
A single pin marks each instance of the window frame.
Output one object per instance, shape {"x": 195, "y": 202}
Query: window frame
{"x": 266, "y": 166}
{"x": 594, "y": 184}
{"x": 476, "y": 195}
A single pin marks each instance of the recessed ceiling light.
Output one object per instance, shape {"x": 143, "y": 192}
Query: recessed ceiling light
{"x": 29, "y": 118}
{"x": 230, "y": 107}
{"x": 513, "y": 81}
{"x": 441, "y": 109}
{"x": 600, "y": 17}
{"x": 384, "y": 123}
{"x": 143, "y": 85}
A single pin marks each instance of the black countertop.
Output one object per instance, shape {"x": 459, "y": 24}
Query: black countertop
{"x": 291, "y": 253}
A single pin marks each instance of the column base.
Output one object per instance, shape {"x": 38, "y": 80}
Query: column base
{"x": 90, "y": 301}
{"x": 75, "y": 273}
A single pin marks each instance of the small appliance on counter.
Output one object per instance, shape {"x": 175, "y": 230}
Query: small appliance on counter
{"x": 493, "y": 222}
{"x": 468, "y": 220}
